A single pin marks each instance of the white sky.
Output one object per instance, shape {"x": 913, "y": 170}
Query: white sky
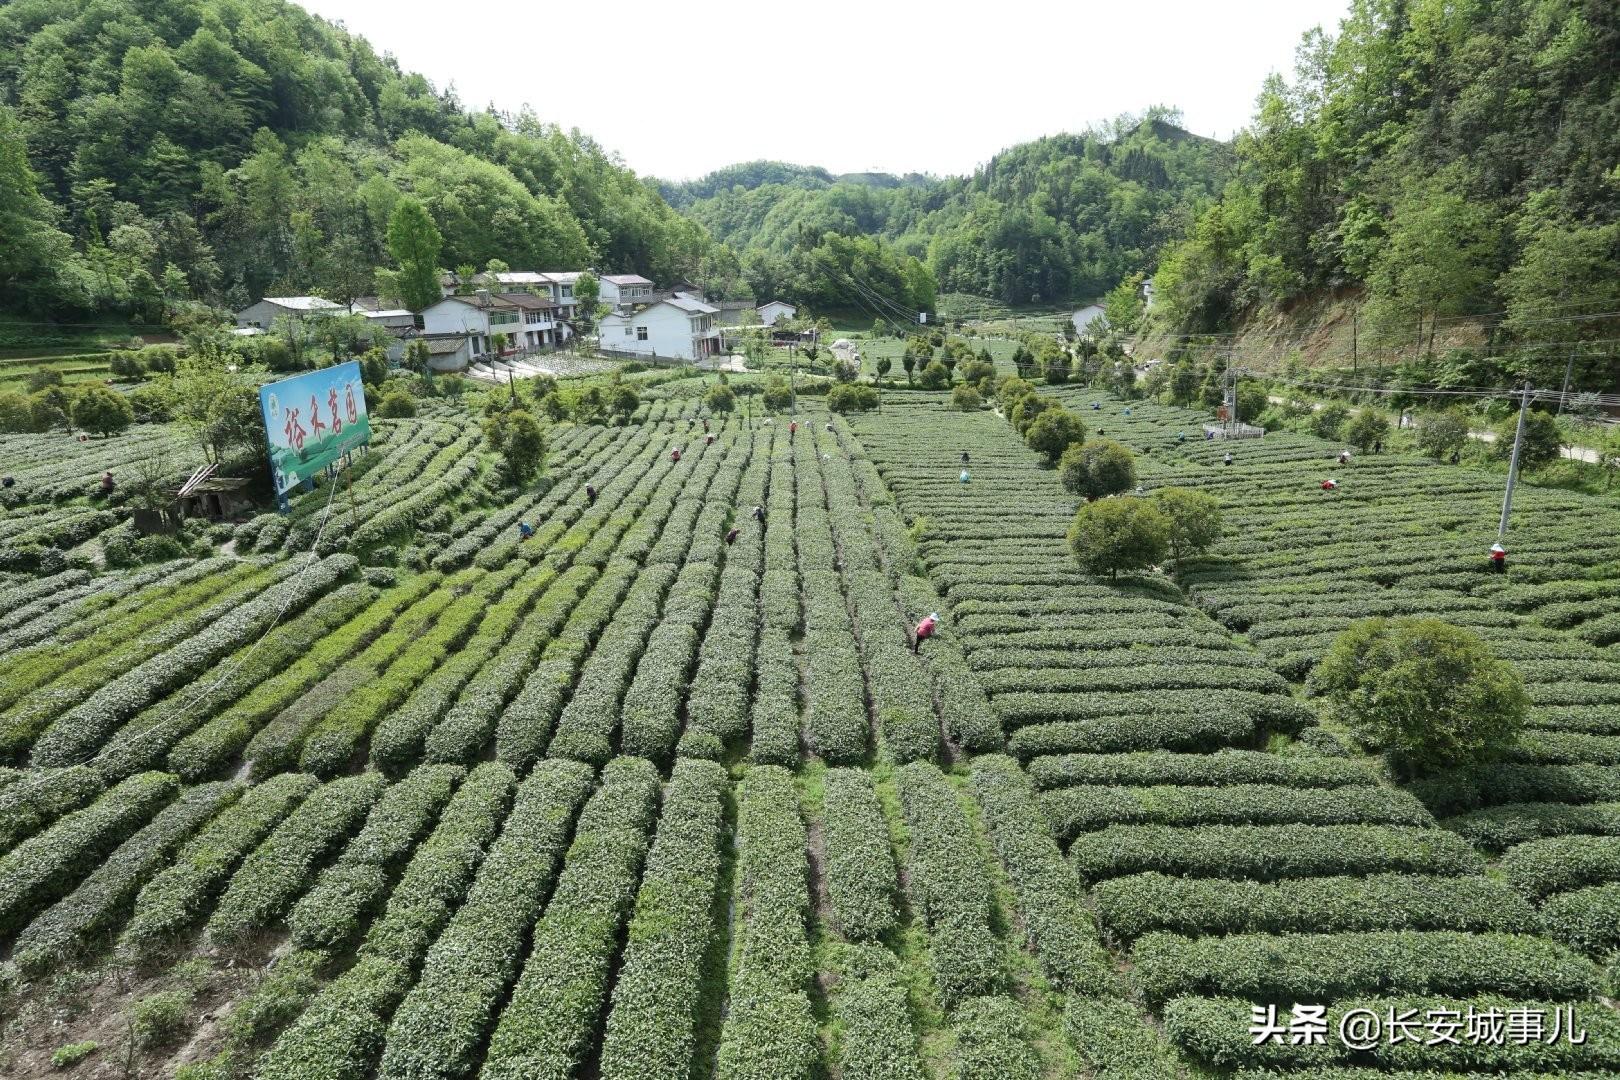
{"x": 680, "y": 89}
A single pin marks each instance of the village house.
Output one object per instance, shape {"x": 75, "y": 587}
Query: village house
{"x": 678, "y": 328}
{"x": 263, "y": 315}
{"x": 621, "y": 290}
{"x": 494, "y": 322}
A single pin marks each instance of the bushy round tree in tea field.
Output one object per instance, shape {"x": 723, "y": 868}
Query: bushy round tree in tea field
{"x": 1119, "y": 534}
{"x": 1426, "y": 694}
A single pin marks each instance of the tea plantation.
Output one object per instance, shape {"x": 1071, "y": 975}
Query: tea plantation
{"x": 378, "y": 788}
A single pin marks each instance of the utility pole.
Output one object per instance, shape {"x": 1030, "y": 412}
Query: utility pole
{"x": 1513, "y": 465}
{"x": 1569, "y": 369}
{"x": 1355, "y": 335}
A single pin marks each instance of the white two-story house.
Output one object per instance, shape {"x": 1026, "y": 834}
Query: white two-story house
{"x": 494, "y": 322}
{"x": 674, "y": 329}
{"x": 622, "y": 290}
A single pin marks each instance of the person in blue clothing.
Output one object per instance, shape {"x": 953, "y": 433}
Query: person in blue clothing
{"x": 525, "y": 530}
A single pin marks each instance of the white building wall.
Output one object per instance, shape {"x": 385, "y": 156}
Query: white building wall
{"x": 669, "y": 333}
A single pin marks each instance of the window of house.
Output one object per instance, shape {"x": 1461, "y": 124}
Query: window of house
{"x": 628, "y": 331}
{"x": 641, "y": 333}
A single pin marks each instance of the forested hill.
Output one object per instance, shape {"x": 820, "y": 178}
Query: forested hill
{"x": 1456, "y": 158}
{"x": 225, "y": 149}
{"x": 1059, "y": 218}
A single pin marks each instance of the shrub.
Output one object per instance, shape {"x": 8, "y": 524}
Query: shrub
{"x": 1543, "y": 867}
{"x": 282, "y": 867}
{"x": 1119, "y": 534}
{"x": 1097, "y": 469}
{"x": 869, "y": 1000}
{"x": 1073, "y": 810}
{"x": 1443, "y": 432}
{"x": 396, "y": 404}
{"x": 1269, "y": 852}
{"x": 547, "y": 1027}
{"x": 657, "y": 999}
{"x": 440, "y": 1024}
{"x": 1141, "y": 903}
{"x": 948, "y": 886}
{"x": 46, "y": 867}
{"x": 1054, "y": 433}
{"x": 860, "y": 866}
{"x": 65, "y": 1057}
{"x": 16, "y": 413}
{"x": 1428, "y": 694}
{"x": 1319, "y": 967}
{"x": 349, "y": 890}
{"x": 103, "y": 897}
{"x": 769, "y": 1028}
{"x": 1061, "y": 931}
{"x": 1328, "y": 421}
{"x": 1116, "y": 1042}
{"x": 159, "y": 1019}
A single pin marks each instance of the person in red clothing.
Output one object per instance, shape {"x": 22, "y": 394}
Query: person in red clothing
{"x": 793, "y": 429}
{"x": 731, "y": 537}
{"x": 925, "y": 629}
{"x": 1330, "y": 484}
{"x": 675, "y": 455}
{"x": 1498, "y": 558}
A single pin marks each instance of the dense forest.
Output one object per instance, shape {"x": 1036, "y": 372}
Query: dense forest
{"x": 1060, "y": 218}
{"x": 224, "y": 149}
{"x": 1443, "y": 158}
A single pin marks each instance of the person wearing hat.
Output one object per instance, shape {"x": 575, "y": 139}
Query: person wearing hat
{"x": 1330, "y": 484}
{"x": 925, "y": 629}
{"x": 1498, "y": 558}
{"x": 964, "y": 478}
{"x": 731, "y": 537}
{"x": 525, "y": 530}
{"x": 759, "y": 514}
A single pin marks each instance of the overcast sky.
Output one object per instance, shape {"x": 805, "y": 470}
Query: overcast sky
{"x": 680, "y": 89}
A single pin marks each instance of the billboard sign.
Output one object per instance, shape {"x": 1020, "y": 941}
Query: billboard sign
{"x": 312, "y": 420}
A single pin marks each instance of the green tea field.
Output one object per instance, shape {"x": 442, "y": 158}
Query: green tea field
{"x": 379, "y": 788}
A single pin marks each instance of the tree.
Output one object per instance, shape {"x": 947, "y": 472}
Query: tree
{"x": 1053, "y": 432}
{"x": 1442, "y": 432}
{"x": 883, "y": 366}
{"x": 1543, "y": 441}
{"x": 1026, "y": 409}
{"x": 966, "y": 398}
{"x": 1119, "y": 534}
{"x": 416, "y": 356}
{"x": 396, "y": 404}
{"x": 623, "y": 401}
{"x": 101, "y": 410}
{"x": 778, "y": 395}
{"x": 720, "y": 398}
{"x": 516, "y": 435}
{"x": 1328, "y": 421}
{"x": 851, "y": 397}
{"x": 219, "y": 407}
{"x": 1427, "y": 694}
{"x": 589, "y": 306}
{"x": 16, "y": 416}
{"x": 1097, "y": 469}
{"x": 415, "y": 242}
{"x": 1369, "y": 426}
{"x": 935, "y": 376}
{"x": 1195, "y": 519}
{"x": 908, "y": 361}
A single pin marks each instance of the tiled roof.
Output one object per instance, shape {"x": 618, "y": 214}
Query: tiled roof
{"x": 302, "y": 303}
